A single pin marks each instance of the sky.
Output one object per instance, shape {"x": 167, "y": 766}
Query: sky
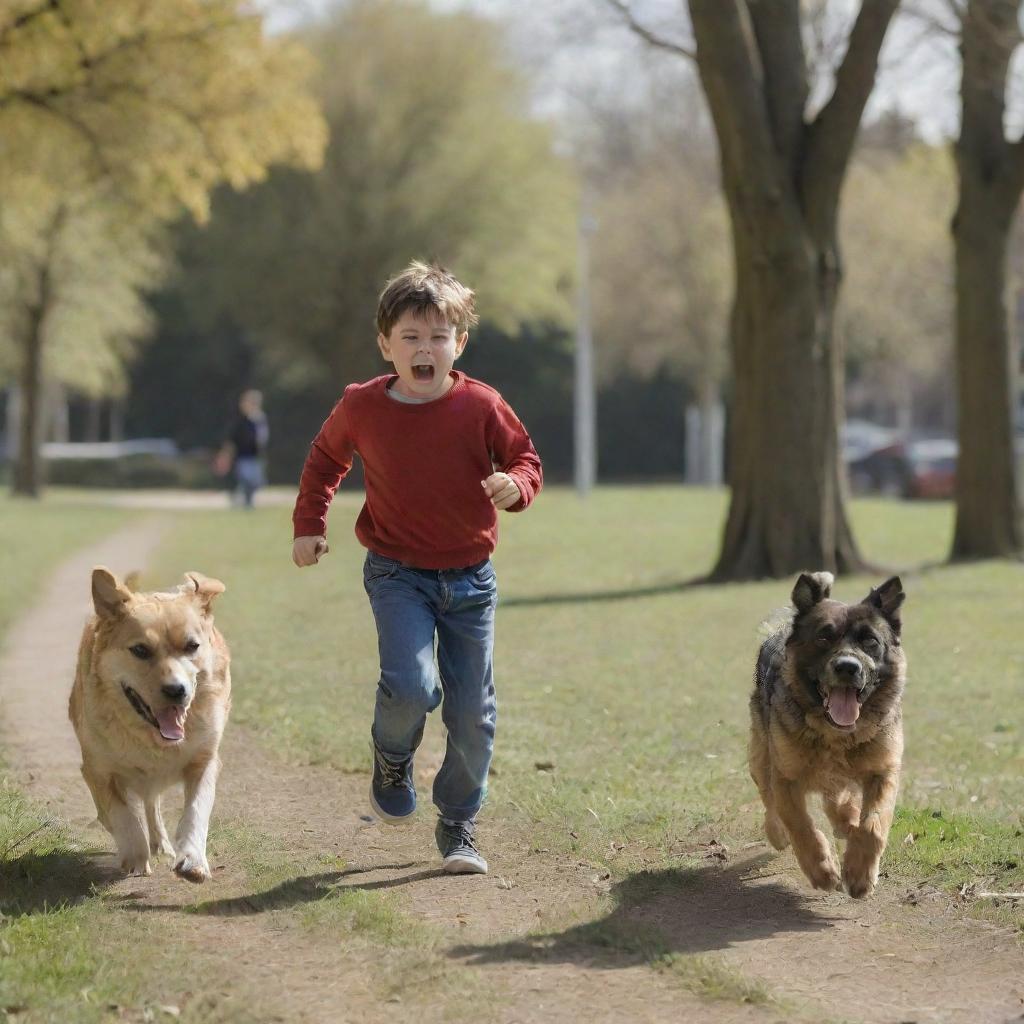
{"x": 571, "y": 49}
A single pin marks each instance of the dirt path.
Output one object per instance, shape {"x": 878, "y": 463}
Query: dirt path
{"x": 498, "y": 936}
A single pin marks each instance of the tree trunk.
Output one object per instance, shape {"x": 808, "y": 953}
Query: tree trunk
{"x": 786, "y": 514}
{"x": 991, "y": 173}
{"x": 13, "y": 425}
{"x": 26, "y": 477}
{"x": 782, "y": 179}
{"x": 988, "y": 523}
{"x": 26, "y": 480}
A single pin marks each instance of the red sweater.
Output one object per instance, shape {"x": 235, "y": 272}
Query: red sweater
{"x": 423, "y": 465}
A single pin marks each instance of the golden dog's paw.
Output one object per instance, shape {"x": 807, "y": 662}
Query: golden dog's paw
{"x": 136, "y": 866}
{"x": 825, "y": 875}
{"x": 861, "y": 862}
{"x": 192, "y": 867}
{"x": 161, "y": 847}
{"x": 859, "y": 876}
{"x": 858, "y": 887}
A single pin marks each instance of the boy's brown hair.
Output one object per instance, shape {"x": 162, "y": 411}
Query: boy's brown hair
{"x": 421, "y": 288}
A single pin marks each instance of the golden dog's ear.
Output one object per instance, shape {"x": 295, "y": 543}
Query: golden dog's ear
{"x": 203, "y": 587}
{"x": 811, "y": 588}
{"x": 109, "y": 595}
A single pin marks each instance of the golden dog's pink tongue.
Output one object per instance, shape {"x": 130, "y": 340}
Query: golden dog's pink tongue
{"x": 172, "y": 723}
{"x": 843, "y": 708}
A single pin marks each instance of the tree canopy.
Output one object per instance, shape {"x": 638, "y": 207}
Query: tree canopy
{"x": 896, "y": 313}
{"x": 433, "y": 155}
{"x": 114, "y": 115}
{"x": 165, "y": 97}
{"x": 94, "y": 260}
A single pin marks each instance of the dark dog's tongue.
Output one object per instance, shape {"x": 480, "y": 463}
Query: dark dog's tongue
{"x": 843, "y": 708}
{"x": 172, "y": 723}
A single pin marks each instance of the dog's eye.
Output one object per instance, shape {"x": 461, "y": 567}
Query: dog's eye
{"x": 141, "y": 651}
{"x": 870, "y": 643}
{"x": 825, "y": 638}
{"x": 191, "y": 646}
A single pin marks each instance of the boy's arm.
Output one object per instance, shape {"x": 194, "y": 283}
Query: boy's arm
{"x": 328, "y": 463}
{"x": 513, "y": 453}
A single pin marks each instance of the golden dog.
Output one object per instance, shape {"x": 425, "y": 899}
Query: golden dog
{"x": 826, "y": 717}
{"x": 149, "y": 704}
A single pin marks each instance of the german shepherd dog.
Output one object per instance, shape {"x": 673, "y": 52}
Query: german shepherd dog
{"x": 149, "y": 704}
{"x": 826, "y": 718}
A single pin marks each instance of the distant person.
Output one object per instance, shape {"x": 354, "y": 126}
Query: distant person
{"x": 442, "y": 454}
{"x": 242, "y": 453}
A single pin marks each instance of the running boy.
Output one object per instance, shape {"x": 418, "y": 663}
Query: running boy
{"x": 441, "y": 454}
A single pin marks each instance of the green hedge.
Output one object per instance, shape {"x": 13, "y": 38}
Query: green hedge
{"x": 187, "y": 471}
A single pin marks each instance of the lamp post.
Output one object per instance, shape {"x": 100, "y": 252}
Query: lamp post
{"x": 584, "y": 397}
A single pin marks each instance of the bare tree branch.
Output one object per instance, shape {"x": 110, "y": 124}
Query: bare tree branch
{"x": 777, "y": 28}
{"x": 932, "y": 21}
{"x": 90, "y": 62}
{"x": 80, "y": 126}
{"x": 84, "y": 60}
{"x": 831, "y": 137}
{"x": 991, "y": 35}
{"x": 733, "y": 77}
{"x": 648, "y": 35}
{"x": 27, "y": 16}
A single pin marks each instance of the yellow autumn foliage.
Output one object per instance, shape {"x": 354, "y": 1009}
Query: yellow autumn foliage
{"x": 115, "y": 114}
{"x": 83, "y": 259}
{"x": 166, "y": 98}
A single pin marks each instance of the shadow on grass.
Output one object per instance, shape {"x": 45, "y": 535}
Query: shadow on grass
{"x": 38, "y": 882}
{"x": 660, "y": 913}
{"x": 709, "y": 580}
{"x": 624, "y": 594}
{"x": 307, "y": 889}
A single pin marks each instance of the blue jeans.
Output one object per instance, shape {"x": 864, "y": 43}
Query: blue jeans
{"x": 248, "y": 478}
{"x": 411, "y": 607}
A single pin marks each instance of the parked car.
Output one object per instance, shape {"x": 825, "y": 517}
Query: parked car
{"x": 931, "y": 469}
{"x": 907, "y": 469}
{"x": 879, "y": 471}
{"x": 859, "y": 438}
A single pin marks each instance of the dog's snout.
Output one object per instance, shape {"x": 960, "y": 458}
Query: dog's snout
{"x": 847, "y": 667}
{"x": 174, "y": 691}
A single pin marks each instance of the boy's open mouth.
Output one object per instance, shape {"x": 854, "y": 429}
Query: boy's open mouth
{"x": 423, "y": 372}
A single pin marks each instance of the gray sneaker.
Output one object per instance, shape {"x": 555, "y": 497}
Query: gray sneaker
{"x": 458, "y": 848}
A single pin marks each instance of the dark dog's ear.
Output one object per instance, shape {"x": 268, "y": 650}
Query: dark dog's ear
{"x": 887, "y": 599}
{"x": 109, "y": 595}
{"x": 202, "y": 587}
{"x": 810, "y": 589}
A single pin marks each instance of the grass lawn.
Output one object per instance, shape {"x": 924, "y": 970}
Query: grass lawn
{"x": 623, "y": 692}
{"x": 622, "y": 721}
{"x": 49, "y": 933}
{"x": 35, "y": 536}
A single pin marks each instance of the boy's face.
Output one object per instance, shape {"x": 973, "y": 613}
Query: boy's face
{"x": 423, "y": 349}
